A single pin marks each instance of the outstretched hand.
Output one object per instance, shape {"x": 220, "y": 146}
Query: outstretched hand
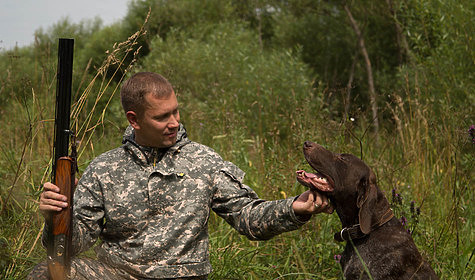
{"x": 312, "y": 202}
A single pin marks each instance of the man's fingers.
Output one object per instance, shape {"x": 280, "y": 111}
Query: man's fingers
{"x": 326, "y": 205}
{"x": 321, "y": 204}
{"x": 53, "y": 196}
{"x": 50, "y": 187}
{"x": 52, "y": 207}
{"x": 312, "y": 202}
{"x": 51, "y": 199}
{"x": 318, "y": 199}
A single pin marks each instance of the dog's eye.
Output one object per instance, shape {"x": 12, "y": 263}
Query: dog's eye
{"x": 342, "y": 157}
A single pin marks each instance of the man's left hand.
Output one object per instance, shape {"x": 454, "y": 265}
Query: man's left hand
{"x": 312, "y": 202}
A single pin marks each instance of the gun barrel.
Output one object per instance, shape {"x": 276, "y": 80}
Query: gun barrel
{"x": 64, "y": 167}
{"x": 63, "y": 99}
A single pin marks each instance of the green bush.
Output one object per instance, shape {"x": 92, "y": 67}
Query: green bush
{"x": 221, "y": 69}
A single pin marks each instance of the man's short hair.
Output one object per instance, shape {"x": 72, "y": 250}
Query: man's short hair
{"x": 133, "y": 91}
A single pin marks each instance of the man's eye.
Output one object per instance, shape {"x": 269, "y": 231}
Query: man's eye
{"x": 161, "y": 118}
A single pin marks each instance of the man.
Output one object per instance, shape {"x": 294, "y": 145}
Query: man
{"x": 149, "y": 200}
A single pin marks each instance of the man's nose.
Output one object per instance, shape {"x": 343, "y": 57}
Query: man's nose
{"x": 174, "y": 121}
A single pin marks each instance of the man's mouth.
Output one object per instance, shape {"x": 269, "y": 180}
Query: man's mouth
{"x": 314, "y": 181}
{"x": 171, "y": 134}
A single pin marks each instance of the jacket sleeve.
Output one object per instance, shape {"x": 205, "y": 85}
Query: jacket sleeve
{"x": 88, "y": 209}
{"x": 240, "y": 206}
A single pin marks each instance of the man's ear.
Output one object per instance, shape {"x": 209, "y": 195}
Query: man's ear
{"x": 133, "y": 119}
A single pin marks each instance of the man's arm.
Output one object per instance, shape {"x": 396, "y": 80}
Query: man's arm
{"x": 85, "y": 231}
{"x": 258, "y": 219}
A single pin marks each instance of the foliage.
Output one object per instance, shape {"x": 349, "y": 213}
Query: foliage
{"x": 255, "y": 79}
{"x": 439, "y": 34}
{"x": 223, "y": 67}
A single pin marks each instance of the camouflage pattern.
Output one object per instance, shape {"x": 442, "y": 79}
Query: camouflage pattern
{"x": 87, "y": 269}
{"x": 150, "y": 208}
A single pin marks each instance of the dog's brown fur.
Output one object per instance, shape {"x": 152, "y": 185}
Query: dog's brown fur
{"x": 386, "y": 248}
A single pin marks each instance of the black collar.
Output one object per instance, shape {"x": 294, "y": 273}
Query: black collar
{"x": 349, "y": 233}
{"x": 354, "y": 231}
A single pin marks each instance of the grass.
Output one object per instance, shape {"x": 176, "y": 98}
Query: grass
{"x": 26, "y": 154}
{"x": 425, "y": 169}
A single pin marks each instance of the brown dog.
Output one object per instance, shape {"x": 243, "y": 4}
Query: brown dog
{"x": 369, "y": 226}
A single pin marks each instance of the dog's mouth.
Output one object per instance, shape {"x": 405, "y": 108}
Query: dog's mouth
{"x": 315, "y": 181}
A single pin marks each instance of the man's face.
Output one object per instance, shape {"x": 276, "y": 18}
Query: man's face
{"x": 158, "y": 124}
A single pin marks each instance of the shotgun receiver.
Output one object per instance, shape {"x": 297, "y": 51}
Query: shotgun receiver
{"x": 63, "y": 167}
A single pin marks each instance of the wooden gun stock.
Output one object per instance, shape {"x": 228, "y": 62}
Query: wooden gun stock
{"x": 65, "y": 181}
{"x": 61, "y": 223}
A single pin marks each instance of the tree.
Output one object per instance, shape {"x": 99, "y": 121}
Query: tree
{"x": 369, "y": 69}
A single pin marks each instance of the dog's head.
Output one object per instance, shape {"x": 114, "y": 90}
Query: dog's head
{"x": 351, "y": 187}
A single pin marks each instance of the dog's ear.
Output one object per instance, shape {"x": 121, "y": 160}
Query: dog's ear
{"x": 373, "y": 205}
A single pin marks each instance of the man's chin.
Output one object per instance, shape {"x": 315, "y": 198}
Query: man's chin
{"x": 167, "y": 144}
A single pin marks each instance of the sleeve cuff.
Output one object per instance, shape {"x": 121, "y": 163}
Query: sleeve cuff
{"x": 299, "y": 219}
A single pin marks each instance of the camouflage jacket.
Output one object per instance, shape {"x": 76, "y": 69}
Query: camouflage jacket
{"x": 151, "y": 210}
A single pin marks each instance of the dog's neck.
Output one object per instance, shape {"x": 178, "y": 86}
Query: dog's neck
{"x": 348, "y": 216}
{"x": 349, "y": 233}
{"x": 350, "y": 225}
{"x": 352, "y": 231}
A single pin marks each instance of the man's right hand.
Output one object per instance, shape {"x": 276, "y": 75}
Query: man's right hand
{"x": 51, "y": 200}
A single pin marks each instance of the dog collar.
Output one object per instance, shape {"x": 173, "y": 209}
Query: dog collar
{"x": 354, "y": 231}
{"x": 349, "y": 233}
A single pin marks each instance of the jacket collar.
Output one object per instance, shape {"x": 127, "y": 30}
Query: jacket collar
{"x": 146, "y": 154}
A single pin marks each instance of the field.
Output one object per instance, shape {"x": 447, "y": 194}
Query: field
{"x": 256, "y": 108}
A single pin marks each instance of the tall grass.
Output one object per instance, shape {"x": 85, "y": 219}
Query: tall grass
{"x": 26, "y": 149}
{"x": 424, "y": 166}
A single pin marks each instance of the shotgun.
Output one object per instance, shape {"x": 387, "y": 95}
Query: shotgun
{"x": 63, "y": 167}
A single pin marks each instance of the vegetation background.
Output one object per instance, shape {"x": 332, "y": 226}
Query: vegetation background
{"x": 391, "y": 81}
